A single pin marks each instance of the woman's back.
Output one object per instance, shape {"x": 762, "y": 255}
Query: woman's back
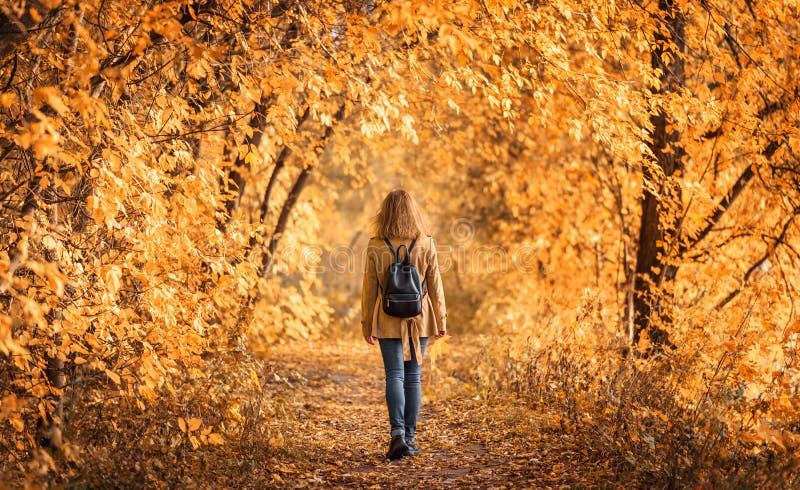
{"x": 402, "y": 339}
{"x": 378, "y": 257}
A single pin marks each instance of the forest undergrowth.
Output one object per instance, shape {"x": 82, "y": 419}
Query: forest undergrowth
{"x": 313, "y": 415}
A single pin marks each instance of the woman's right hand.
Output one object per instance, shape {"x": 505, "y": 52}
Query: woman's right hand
{"x": 370, "y": 339}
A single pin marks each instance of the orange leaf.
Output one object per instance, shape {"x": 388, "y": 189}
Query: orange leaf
{"x": 193, "y": 424}
{"x": 113, "y": 376}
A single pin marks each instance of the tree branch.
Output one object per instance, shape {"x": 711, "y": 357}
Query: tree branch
{"x": 291, "y": 199}
{"x": 280, "y": 162}
{"x": 283, "y": 219}
{"x": 767, "y": 110}
{"x": 726, "y": 202}
{"x": 767, "y": 254}
{"x": 258, "y": 124}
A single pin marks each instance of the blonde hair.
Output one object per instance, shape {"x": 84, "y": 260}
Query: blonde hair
{"x": 399, "y": 217}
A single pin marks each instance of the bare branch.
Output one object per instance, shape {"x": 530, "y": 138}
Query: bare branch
{"x": 291, "y": 199}
{"x": 728, "y": 200}
{"x": 767, "y": 254}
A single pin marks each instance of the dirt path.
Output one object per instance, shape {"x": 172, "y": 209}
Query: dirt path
{"x": 338, "y": 433}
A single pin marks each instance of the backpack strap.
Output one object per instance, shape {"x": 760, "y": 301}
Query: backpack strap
{"x": 394, "y": 252}
{"x": 399, "y": 247}
{"x": 410, "y": 248}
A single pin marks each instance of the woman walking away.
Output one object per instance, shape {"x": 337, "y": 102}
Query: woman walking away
{"x": 402, "y": 305}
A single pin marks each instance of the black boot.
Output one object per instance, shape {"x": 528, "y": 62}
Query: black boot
{"x": 397, "y": 448}
{"x": 412, "y": 450}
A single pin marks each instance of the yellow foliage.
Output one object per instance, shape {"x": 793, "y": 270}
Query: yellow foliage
{"x": 614, "y": 188}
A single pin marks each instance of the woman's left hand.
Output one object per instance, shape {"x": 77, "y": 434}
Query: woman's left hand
{"x": 370, "y": 339}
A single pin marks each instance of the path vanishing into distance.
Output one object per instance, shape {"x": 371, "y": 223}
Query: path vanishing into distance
{"x": 337, "y": 432}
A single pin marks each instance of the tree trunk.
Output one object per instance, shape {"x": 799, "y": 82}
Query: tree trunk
{"x": 280, "y": 162}
{"x": 283, "y": 219}
{"x": 291, "y": 198}
{"x": 236, "y": 182}
{"x": 659, "y": 230}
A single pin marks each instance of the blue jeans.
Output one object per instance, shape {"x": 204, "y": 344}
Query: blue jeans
{"x": 403, "y": 389}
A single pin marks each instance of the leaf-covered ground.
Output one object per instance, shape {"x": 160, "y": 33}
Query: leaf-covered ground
{"x": 337, "y": 433}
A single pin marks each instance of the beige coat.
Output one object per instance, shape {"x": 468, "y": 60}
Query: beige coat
{"x": 434, "y": 313}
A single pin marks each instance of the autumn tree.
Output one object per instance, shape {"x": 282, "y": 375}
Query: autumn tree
{"x": 758, "y": 93}
{"x": 636, "y": 163}
{"x": 131, "y": 137}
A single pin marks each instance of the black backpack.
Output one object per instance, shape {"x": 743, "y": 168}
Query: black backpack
{"x": 402, "y": 289}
